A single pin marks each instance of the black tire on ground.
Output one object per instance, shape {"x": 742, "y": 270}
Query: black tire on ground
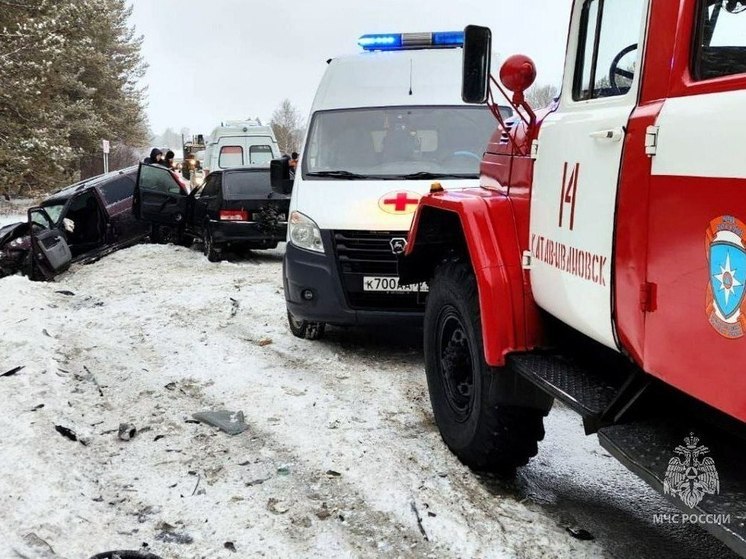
{"x": 306, "y": 330}
{"x": 213, "y": 253}
{"x": 464, "y": 391}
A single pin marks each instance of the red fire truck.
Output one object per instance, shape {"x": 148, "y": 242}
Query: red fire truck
{"x": 602, "y": 260}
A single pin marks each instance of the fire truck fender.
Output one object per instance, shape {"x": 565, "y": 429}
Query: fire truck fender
{"x": 478, "y": 226}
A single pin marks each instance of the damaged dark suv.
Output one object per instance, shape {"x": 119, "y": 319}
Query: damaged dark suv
{"x": 83, "y": 221}
{"x": 234, "y": 209}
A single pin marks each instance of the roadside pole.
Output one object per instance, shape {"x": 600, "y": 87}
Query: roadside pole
{"x": 105, "y": 145}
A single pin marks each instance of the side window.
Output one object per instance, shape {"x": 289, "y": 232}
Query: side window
{"x": 720, "y": 48}
{"x": 607, "y": 48}
{"x": 158, "y": 179}
{"x": 230, "y": 156}
{"x": 260, "y": 154}
{"x": 212, "y": 188}
{"x": 117, "y": 190}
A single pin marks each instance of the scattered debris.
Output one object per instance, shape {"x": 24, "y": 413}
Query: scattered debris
{"x": 170, "y": 386}
{"x": 12, "y": 371}
{"x": 230, "y": 546}
{"x": 37, "y": 407}
{"x": 277, "y": 507}
{"x": 90, "y": 375}
{"x": 199, "y": 478}
{"x": 126, "y": 431}
{"x": 258, "y": 481}
{"x": 229, "y": 421}
{"x": 124, "y": 554}
{"x": 41, "y": 548}
{"x": 332, "y": 473}
{"x": 174, "y": 537}
{"x": 323, "y": 513}
{"x": 264, "y": 342}
{"x": 235, "y": 305}
{"x": 302, "y": 521}
{"x": 158, "y": 438}
{"x": 284, "y": 470}
{"x": 47, "y": 334}
{"x": 580, "y": 533}
{"x": 65, "y": 432}
{"x": 65, "y": 292}
{"x": 419, "y": 520}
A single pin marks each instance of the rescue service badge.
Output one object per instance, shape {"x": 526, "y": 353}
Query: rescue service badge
{"x": 726, "y": 255}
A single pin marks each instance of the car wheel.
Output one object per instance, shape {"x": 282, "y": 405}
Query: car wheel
{"x": 305, "y": 329}
{"x": 465, "y": 392}
{"x": 213, "y": 253}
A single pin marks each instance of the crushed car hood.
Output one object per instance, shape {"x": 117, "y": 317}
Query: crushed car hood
{"x": 12, "y": 231}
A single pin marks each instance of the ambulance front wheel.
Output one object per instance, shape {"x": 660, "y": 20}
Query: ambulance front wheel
{"x": 305, "y": 329}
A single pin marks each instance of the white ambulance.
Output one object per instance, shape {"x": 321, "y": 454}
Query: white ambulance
{"x": 240, "y": 144}
{"x": 385, "y": 125}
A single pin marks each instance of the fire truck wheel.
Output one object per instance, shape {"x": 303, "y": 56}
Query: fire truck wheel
{"x": 306, "y": 330}
{"x": 484, "y": 434}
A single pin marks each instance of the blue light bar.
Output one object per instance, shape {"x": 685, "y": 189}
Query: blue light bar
{"x": 400, "y": 41}
{"x": 381, "y": 42}
{"x": 448, "y": 38}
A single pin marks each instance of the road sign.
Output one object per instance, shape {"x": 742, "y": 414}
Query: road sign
{"x": 105, "y": 144}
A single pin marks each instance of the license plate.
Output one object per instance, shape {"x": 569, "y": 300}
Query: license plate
{"x": 391, "y": 285}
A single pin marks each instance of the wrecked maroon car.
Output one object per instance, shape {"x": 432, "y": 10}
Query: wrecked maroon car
{"x": 81, "y": 222}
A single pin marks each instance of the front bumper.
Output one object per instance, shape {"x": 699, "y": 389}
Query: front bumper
{"x": 321, "y": 275}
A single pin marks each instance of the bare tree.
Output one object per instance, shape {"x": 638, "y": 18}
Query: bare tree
{"x": 540, "y": 96}
{"x": 287, "y": 125}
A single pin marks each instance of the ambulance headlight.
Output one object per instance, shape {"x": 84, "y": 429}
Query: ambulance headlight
{"x": 304, "y": 233}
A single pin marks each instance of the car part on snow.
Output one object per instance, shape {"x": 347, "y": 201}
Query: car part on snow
{"x": 125, "y": 555}
{"x": 231, "y": 422}
{"x": 304, "y": 329}
{"x": 127, "y": 431}
{"x": 12, "y": 372}
{"x": 65, "y": 432}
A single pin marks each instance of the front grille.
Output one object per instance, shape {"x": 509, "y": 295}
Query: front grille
{"x": 368, "y": 253}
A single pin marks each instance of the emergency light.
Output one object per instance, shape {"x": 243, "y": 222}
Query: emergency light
{"x": 401, "y": 41}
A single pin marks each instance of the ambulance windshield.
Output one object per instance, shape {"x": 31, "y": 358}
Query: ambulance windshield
{"x": 398, "y": 142}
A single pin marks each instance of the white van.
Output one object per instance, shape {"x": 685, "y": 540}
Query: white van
{"x": 240, "y": 144}
{"x": 385, "y": 124}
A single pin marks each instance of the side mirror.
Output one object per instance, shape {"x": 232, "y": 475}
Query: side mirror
{"x": 279, "y": 176}
{"x": 475, "y": 84}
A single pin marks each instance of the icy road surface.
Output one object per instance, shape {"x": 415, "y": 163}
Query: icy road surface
{"x": 341, "y": 459}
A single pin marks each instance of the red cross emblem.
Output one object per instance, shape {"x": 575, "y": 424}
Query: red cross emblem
{"x": 399, "y": 202}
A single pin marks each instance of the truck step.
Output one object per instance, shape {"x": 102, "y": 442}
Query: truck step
{"x": 647, "y": 448}
{"x": 582, "y": 389}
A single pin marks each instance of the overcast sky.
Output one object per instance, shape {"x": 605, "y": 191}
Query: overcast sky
{"x": 234, "y": 59}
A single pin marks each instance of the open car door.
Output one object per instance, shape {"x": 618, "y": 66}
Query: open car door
{"x": 159, "y": 197}
{"x": 50, "y": 253}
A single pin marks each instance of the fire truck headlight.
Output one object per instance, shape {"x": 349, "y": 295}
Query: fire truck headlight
{"x": 304, "y": 233}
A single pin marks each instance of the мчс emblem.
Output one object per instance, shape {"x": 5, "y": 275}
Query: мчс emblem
{"x": 691, "y": 475}
{"x": 398, "y": 245}
{"x": 726, "y": 254}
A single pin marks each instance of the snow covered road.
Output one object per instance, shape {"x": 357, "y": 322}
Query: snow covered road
{"x": 341, "y": 458}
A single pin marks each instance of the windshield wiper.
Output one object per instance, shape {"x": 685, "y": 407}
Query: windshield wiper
{"x": 337, "y": 175}
{"x": 428, "y": 175}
